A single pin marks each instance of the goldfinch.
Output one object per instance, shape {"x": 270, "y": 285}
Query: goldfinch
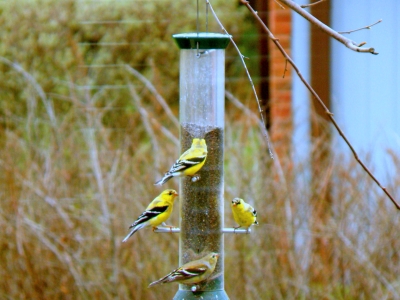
{"x": 192, "y": 272}
{"x": 243, "y": 213}
{"x": 189, "y": 163}
{"x": 156, "y": 213}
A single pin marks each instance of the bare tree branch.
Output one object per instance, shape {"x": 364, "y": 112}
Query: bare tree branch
{"x": 337, "y": 36}
{"x": 311, "y": 4}
{"x": 242, "y": 57}
{"x": 312, "y": 91}
{"x": 365, "y": 27}
{"x": 276, "y": 161}
{"x": 277, "y": 2}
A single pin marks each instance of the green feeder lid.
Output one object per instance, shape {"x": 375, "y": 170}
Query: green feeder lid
{"x": 202, "y": 40}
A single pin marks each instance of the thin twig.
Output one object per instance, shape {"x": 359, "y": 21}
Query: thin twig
{"x": 316, "y": 96}
{"x": 275, "y": 159}
{"x": 63, "y": 256}
{"x": 235, "y": 101}
{"x": 277, "y": 2}
{"x": 167, "y": 133}
{"x": 98, "y": 174}
{"x": 145, "y": 119}
{"x": 152, "y": 89}
{"x": 47, "y": 104}
{"x": 285, "y": 70}
{"x": 309, "y": 17}
{"x": 365, "y": 27}
{"x": 265, "y": 132}
{"x": 311, "y": 4}
{"x": 48, "y": 199}
{"x": 366, "y": 262}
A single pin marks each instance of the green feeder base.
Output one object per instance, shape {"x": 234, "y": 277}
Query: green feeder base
{"x": 206, "y": 295}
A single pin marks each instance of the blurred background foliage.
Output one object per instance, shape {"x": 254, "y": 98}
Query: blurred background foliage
{"x": 83, "y": 138}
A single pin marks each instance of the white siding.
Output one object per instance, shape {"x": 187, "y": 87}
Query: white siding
{"x": 301, "y": 133}
{"x": 300, "y": 45}
{"x": 365, "y": 87}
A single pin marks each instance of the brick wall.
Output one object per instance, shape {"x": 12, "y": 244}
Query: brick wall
{"x": 279, "y": 22}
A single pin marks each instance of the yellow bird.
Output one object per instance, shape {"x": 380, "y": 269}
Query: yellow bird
{"x": 192, "y": 272}
{"x": 243, "y": 213}
{"x": 189, "y": 163}
{"x": 156, "y": 213}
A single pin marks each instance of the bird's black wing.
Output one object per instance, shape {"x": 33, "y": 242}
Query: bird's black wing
{"x": 149, "y": 214}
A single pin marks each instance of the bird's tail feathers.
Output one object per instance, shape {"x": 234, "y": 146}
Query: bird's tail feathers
{"x": 154, "y": 283}
{"x": 167, "y": 278}
{"x": 157, "y": 282}
{"x": 166, "y": 177}
{"x": 134, "y": 229}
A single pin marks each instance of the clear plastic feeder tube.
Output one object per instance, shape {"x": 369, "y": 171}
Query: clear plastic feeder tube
{"x": 202, "y": 88}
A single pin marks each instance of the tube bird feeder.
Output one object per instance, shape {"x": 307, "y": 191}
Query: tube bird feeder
{"x": 201, "y": 113}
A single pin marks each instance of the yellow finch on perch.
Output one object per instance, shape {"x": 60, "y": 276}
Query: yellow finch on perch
{"x": 156, "y": 213}
{"x": 192, "y": 272}
{"x": 243, "y": 213}
{"x": 190, "y": 162}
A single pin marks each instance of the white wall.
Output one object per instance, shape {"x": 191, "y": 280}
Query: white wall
{"x": 300, "y": 53}
{"x": 301, "y": 134}
{"x": 365, "y": 87}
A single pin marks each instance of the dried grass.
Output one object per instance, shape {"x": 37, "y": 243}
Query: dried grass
{"x": 77, "y": 169}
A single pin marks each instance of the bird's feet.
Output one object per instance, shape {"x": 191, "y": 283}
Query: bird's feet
{"x": 195, "y": 288}
{"x": 195, "y": 178}
{"x": 168, "y": 226}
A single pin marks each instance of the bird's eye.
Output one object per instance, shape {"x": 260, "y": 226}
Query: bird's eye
{"x": 170, "y": 193}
